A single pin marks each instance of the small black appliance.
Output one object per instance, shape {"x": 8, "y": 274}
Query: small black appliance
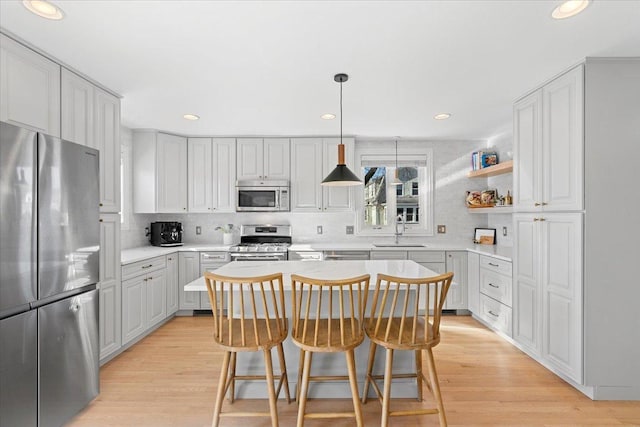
{"x": 165, "y": 233}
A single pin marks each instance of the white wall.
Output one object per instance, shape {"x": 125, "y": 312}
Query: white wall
{"x": 451, "y": 163}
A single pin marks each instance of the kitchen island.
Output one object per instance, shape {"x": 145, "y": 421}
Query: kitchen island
{"x": 325, "y": 364}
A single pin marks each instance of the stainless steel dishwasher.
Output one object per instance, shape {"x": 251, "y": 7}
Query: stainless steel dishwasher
{"x": 345, "y": 255}
{"x": 210, "y": 261}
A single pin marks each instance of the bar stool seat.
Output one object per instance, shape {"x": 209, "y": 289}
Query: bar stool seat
{"x": 327, "y": 318}
{"x": 248, "y": 315}
{"x": 397, "y": 322}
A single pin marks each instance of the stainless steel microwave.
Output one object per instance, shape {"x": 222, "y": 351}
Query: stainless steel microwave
{"x": 262, "y": 196}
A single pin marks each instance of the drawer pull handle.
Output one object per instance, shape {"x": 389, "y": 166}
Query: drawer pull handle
{"x": 494, "y": 286}
{"x": 147, "y": 266}
{"x": 493, "y": 314}
{"x": 493, "y": 265}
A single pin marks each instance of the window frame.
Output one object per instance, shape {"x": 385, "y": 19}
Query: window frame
{"x": 426, "y": 187}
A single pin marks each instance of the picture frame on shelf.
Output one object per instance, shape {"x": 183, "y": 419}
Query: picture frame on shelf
{"x": 485, "y": 236}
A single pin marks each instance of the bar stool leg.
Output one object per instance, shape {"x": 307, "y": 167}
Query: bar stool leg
{"x": 367, "y": 378}
{"x": 386, "y": 394}
{"x": 224, "y": 372}
{"x": 300, "y": 369}
{"x": 232, "y": 387}
{"x": 268, "y": 364}
{"x": 419, "y": 373}
{"x": 302, "y": 394}
{"x": 283, "y": 371}
{"x": 353, "y": 382}
{"x": 435, "y": 386}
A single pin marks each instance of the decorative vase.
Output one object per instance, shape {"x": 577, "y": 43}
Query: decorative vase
{"x": 227, "y": 238}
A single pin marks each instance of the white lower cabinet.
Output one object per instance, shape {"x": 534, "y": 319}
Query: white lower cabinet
{"x": 172, "y": 284}
{"x": 473, "y": 282}
{"x": 110, "y": 286}
{"x": 189, "y": 270}
{"x": 494, "y": 293}
{"x": 547, "y": 309}
{"x": 456, "y": 262}
{"x": 144, "y": 296}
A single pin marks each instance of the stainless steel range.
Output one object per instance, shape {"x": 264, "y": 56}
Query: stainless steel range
{"x": 262, "y": 243}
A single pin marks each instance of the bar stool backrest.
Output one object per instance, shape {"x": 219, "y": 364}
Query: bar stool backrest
{"x": 397, "y": 319}
{"x": 248, "y": 312}
{"x": 328, "y": 314}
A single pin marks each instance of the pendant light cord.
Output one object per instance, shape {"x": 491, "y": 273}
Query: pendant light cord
{"x": 341, "y": 112}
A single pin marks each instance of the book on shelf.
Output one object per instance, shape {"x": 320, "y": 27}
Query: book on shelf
{"x": 483, "y": 159}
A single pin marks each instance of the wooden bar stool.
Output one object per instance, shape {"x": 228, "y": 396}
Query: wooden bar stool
{"x": 327, "y": 318}
{"x": 248, "y": 315}
{"x": 397, "y": 322}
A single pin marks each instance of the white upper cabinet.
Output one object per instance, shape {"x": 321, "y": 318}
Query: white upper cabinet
{"x": 311, "y": 160}
{"x": 77, "y": 109}
{"x": 549, "y": 146}
{"x": 224, "y": 173}
{"x": 107, "y": 140}
{"x": 200, "y": 172}
{"x": 259, "y": 158}
{"x": 159, "y": 172}
{"x": 172, "y": 173}
{"x": 563, "y": 142}
{"x": 29, "y": 88}
{"x": 211, "y": 171}
{"x": 91, "y": 117}
{"x": 306, "y": 174}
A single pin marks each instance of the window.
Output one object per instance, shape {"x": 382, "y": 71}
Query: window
{"x": 383, "y": 204}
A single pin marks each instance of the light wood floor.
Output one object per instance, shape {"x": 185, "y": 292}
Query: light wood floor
{"x": 169, "y": 379}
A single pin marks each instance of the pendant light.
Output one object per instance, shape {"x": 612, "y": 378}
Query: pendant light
{"x": 396, "y": 180}
{"x": 341, "y": 176}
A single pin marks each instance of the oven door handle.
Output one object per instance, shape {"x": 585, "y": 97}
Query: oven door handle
{"x": 255, "y": 258}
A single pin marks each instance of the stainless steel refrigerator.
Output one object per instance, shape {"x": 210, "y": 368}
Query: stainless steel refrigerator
{"x": 49, "y": 250}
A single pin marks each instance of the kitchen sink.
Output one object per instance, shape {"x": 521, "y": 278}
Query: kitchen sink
{"x": 399, "y": 245}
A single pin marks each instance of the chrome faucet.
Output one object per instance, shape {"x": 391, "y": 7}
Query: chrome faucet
{"x": 399, "y": 222}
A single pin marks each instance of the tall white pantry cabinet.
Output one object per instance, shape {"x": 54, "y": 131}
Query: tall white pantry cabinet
{"x": 576, "y": 149}
{"x": 38, "y": 93}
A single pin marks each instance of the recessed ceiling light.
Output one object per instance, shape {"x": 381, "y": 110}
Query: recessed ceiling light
{"x": 44, "y": 8}
{"x": 191, "y": 117}
{"x": 328, "y": 116}
{"x": 569, "y": 8}
{"x": 442, "y": 116}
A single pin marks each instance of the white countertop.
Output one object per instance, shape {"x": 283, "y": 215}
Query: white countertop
{"x": 317, "y": 269}
{"x": 144, "y": 252}
{"x": 128, "y": 256}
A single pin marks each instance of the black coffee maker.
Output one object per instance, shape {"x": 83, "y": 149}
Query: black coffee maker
{"x": 165, "y": 233}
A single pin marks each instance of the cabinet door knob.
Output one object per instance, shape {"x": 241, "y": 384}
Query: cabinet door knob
{"x": 542, "y": 219}
{"x": 544, "y": 203}
{"x": 537, "y": 204}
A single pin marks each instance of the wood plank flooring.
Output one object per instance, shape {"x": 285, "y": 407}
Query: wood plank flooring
{"x": 169, "y": 379}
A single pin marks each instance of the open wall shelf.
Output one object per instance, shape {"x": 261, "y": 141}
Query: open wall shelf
{"x": 499, "y": 169}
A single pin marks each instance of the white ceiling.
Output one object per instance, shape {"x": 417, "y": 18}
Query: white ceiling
{"x": 266, "y": 68}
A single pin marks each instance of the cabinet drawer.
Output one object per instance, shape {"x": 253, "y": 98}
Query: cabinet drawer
{"x": 214, "y": 257}
{"x": 427, "y": 256}
{"x": 305, "y": 256}
{"x": 388, "y": 255}
{"x": 495, "y": 314}
{"x": 497, "y": 286}
{"x": 143, "y": 267}
{"x": 495, "y": 264}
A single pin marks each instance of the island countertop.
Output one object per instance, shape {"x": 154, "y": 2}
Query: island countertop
{"x": 317, "y": 269}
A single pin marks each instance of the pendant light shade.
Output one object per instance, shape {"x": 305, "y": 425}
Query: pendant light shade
{"x": 341, "y": 176}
